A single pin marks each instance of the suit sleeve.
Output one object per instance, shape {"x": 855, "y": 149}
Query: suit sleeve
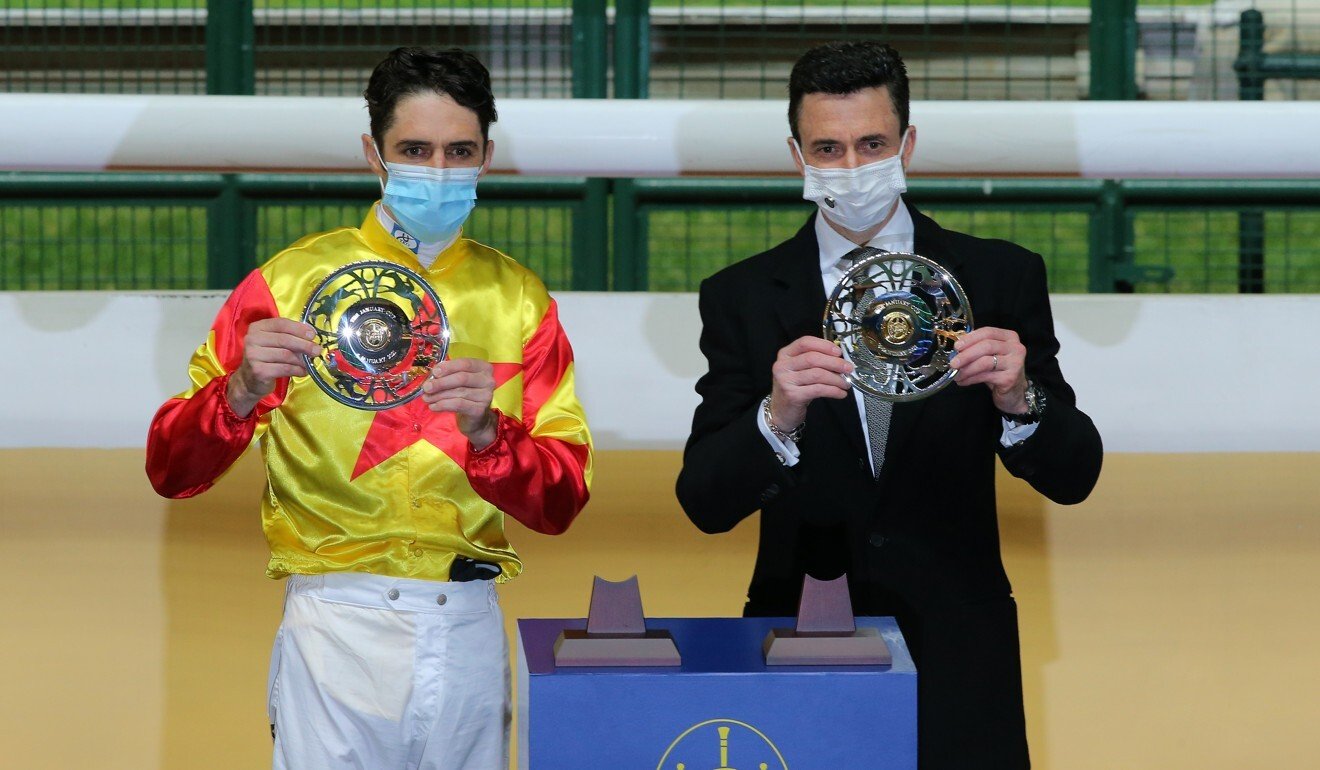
{"x": 538, "y": 469}
{"x": 729, "y": 470}
{"x": 1061, "y": 460}
{"x": 195, "y": 437}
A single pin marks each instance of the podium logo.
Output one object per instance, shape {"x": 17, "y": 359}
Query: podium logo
{"x": 734, "y": 745}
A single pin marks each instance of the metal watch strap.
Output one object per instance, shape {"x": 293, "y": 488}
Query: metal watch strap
{"x": 1035, "y": 399}
{"x": 792, "y": 436}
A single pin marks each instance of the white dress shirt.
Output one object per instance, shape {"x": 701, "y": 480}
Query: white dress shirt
{"x": 896, "y": 235}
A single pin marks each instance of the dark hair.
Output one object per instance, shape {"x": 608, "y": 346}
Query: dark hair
{"x": 844, "y": 68}
{"x": 407, "y": 71}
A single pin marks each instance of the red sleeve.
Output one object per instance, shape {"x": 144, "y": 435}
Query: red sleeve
{"x": 195, "y": 437}
{"x": 537, "y": 470}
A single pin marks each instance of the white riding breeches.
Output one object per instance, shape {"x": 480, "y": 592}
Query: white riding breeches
{"x": 383, "y": 673}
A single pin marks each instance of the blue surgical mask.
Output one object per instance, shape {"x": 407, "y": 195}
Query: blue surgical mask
{"x": 430, "y": 203}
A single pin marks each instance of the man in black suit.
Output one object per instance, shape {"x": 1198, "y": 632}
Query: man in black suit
{"x": 901, "y": 497}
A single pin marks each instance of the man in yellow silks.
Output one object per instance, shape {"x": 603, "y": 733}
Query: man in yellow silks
{"x": 389, "y": 525}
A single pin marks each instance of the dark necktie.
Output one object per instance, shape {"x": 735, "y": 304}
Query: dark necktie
{"x": 878, "y": 411}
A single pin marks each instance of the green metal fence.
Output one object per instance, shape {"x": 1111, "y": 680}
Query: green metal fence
{"x": 722, "y": 49}
{"x": 196, "y": 231}
{"x": 1192, "y": 50}
{"x": 1012, "y": 49}
{"x": 274, "y": 47}
{"x": 206, "y": 230}
{"x": 1098, "y": 236}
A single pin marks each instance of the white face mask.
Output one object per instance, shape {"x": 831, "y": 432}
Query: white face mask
{"x": 856, "y": 199}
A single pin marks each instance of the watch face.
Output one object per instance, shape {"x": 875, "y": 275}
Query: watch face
{"x": 1035, "y": 400}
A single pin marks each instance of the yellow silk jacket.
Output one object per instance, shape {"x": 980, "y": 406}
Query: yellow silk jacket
{"x": 397, "y": 492}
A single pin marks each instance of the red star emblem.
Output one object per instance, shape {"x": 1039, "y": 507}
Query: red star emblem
{"x": 394, "y": 430}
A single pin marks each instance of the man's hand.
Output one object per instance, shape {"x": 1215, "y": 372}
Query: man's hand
{"x": 806, "y": 369}
{"x": 464, "y": 386}
{"x": 997, "y": 358}
{"x": 272, "y": 350}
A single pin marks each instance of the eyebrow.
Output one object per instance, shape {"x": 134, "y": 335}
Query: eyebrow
{"x": 404, "y": 144}
{"x": 868, "y": 138}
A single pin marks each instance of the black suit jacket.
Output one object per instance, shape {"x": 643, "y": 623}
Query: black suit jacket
{"x": 921, "y": 542}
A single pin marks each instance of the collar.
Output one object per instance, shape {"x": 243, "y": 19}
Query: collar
{"x": 426, "y": 253}
{"x": 896, "y": 235}
{"x": 378, "y": 230}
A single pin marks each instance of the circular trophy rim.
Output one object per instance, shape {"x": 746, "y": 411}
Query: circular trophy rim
{"x": 850, "y": 277}
{"x": 442, "y": 317}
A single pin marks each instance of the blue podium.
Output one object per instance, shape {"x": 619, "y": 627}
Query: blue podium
{"x": 723, "y": 708}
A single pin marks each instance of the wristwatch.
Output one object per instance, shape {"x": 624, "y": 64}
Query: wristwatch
{"x": 1035, "y": 398}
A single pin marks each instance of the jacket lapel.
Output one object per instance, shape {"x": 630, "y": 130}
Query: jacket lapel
{"x": 800, "y": 306}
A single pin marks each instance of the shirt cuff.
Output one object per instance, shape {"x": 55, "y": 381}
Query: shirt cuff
{"x": 1015, "y": 434}
{"x": 228, "y": 416}
{"x": 786, "y": 451}
{"x": 490, "y": 449}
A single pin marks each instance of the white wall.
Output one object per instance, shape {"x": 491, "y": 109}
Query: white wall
{"x": 1157, "y": 373}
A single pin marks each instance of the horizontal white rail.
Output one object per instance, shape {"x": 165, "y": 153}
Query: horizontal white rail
{"x": 666, "y": 137}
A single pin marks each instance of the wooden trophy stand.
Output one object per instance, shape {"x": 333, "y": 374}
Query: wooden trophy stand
{"x": 826, "y": 634}
{"x": 616, "y": 632}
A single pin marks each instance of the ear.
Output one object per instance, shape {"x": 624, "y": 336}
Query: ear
{"x": 795, "y": 152}
{"x": 910, "y": 146}
{"x": 490, "y": 155}
{"x": 373, "y": 158}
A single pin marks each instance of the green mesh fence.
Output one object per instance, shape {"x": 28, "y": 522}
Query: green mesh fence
{"x": 328, "y": 48}
{"x": 537, "y": 236}
{"x": 1014, "y": 49}
{"x": 1202, "y": 248}
{"x": 279, "y": 225}
{"x": 316, "y": 48}
{"x": 1018, "y": 49}
{"x": 688, "y": 245}
{"x": 1061, "y": 237}
{"x": 1188, "y": 50}
{"x": 103, "y": 47}
{"x": 130, "y": 247}
{"x": 57, "y": 245}
{"x": 954, "y": 50}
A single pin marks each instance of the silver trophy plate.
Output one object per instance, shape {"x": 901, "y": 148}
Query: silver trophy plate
{"x": 896, "y": 317}
{"x": 382, "y": 327}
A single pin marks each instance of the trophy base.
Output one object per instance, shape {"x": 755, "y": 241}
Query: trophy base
{"x": 863, "y": 647}
{"x": 578, "y": 648}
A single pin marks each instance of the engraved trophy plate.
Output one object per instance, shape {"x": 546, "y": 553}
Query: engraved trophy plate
{"x": 896, "y": 316}
{"x": 382, "y": 327}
